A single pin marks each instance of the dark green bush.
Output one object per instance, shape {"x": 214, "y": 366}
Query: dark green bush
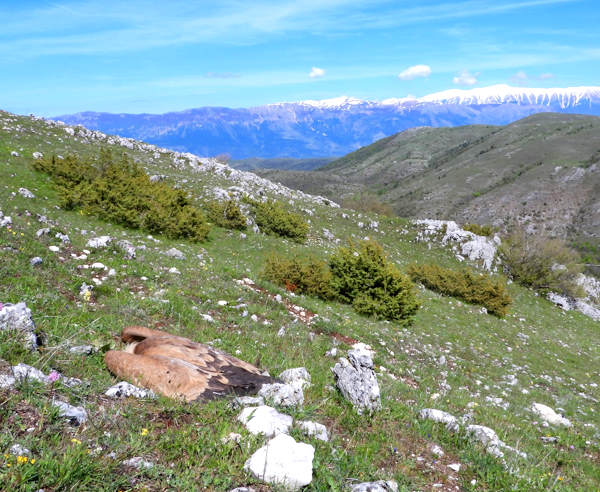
{"x": 226, "y": 214}
{"x": 301, "y": 275}
{"x": 541, "y": 263}
{"x": 273, "y": 219}
{"x": 122, "y": 193}
{"x": 480, "y": 230}
{"x": 362, "y": 276}
{"x": 464, "y": 284}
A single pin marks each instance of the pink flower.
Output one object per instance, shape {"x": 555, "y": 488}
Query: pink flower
{"x": 1, "y": 306}
{"x": 53, "y": 376}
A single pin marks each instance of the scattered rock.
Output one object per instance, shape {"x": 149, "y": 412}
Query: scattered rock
{"x": 175, "y": 253}
{"x": 36, "y": 260}
{"x": 139, "y": 463}
{"x": 25, "y": 193}
{"x": 547, "y": 414}
{"x": 441, "y": 417}
{"x": 490, "y": 441}
{"x": 37, "y": 155}
{"x": 296, "y": 375}
{"x": 265, "y": 420}
{"x": 42, "y": 232}
{"x": 283, "y": 395}
{"x": 99, "y": 242}
{"x": 378, "y": 486}
{"x": 54, "y": 249}
{"x": 455, "y": 467}
{"x": 437, "y": 450}
{"x": 232, "y": 437}
{"x": 17, "y": 317}
{"x": 356, "y": 380}
{"x": 76, "y": 415}
{"x": 283, "y": 461}
{"x": 314, "y": 429}
{"x": 174, "y": 270}
{"x": 124, "y": 390}
{"x": 127, "y": 248}
{"x": 82, "y": 350}
{"x": 22, "y": 372}
{"x": 63, "y": 238}
{"x": 18, "y": 450}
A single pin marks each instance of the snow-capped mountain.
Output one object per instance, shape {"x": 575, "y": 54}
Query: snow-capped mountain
{"x": 333, "y": 127}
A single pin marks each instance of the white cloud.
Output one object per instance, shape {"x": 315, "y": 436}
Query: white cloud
{"x": 546, "y": 76}
{"x": 414, "y": 72}
{"x": 520, "y": 78}
{"x": 465, "y": 78}
{"x": 316, "y": 72}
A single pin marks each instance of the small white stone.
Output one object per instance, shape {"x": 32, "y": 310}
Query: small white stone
{"x": 265, "y": 420}
{"x": 54, "y": 249}
{"x": 455, "y": 467}
{"x": 314, "y": 429}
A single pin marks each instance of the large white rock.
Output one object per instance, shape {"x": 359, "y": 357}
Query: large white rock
{"x": 283, "y": 395}
{"x": 441, "y": 417}
{"x": 175, "y": 253}
{"x": 547, "y": 414}
{"x": 283, "y": 462}
{"x": 18, "y": 317}
{"x": 265, "y": 420}
{"x": 24, "y": 192}
{"x": 356, "y": 380}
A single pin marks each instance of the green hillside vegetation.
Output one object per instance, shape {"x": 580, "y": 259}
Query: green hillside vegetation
{"x": 543, "y": 171}
{"x": 452, "y": 356}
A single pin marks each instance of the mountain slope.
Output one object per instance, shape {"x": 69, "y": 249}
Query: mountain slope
{"x": 484, "y": 370}
{"x": 543, "y": 171}
{"x": 332, "y": 127}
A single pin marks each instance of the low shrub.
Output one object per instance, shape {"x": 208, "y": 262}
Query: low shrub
{"x": 122, "y": 193}
{"x": 464, "y": 284}
{"x": 362, "y": 276}
{"x": 301, "y": 275}
{"x": 480, "y": 230}
{"x": 275, "y": 220}
{"x": 544, "y": 264}
{"x": 226, "y": 214}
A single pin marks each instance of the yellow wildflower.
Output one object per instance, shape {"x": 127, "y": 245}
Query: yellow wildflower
{"x": 144, "y": 432}
{"x": 75, "y": 441}
{"x": 32, "y": 461}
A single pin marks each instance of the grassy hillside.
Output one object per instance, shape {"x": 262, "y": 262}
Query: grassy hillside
{"x": 453, "y": 357}
{"x": 543, "y": 171}
{"x": 287, "y": 163}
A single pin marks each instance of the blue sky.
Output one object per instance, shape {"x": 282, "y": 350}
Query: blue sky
{"x": 141, "y": 56}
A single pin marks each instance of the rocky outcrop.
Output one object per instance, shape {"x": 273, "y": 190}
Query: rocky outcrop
{"x": 356, "y": 380}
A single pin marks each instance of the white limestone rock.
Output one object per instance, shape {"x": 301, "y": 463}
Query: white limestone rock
{"x": 25, "y": 193}
{"x": 125, "y": 389}
{"x": 99, "y": 242}
{"x": 378, "y": 486}
{"x": 441, "y": 417}
{"x": 139, "y": 463}
{"x": 265, "y": 420}
{"x": 313, "y": 429}
{"x": 18, "y": 450}
{"x": 128, "y": 249}
{"x": 175, "y": 253}
{"x": 283, "y": 462}
{"x": 17, "y": 317}
{"x": 547, "y": 414}
{"x": 76, "y": 415}
{"x": 283, "y": 395}
{"x": 356, "y": 380}
{"x": 297, "y": 374}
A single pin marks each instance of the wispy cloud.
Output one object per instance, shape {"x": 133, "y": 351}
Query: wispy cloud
{"x": 222, "y": 75}
{"x": 114, "y": 26}
{"x": 415, "y": 72}
{"x": 316, "y": 73}
{"x": 465, "y": 78}
{"x": 520, "y": 78}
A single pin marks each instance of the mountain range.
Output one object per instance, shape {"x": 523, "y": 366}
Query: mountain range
{"x": 332, "y": 127}
{"x": 542, "y": 171}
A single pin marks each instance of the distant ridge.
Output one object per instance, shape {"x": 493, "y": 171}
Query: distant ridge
{"x": 333, "y": 127}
